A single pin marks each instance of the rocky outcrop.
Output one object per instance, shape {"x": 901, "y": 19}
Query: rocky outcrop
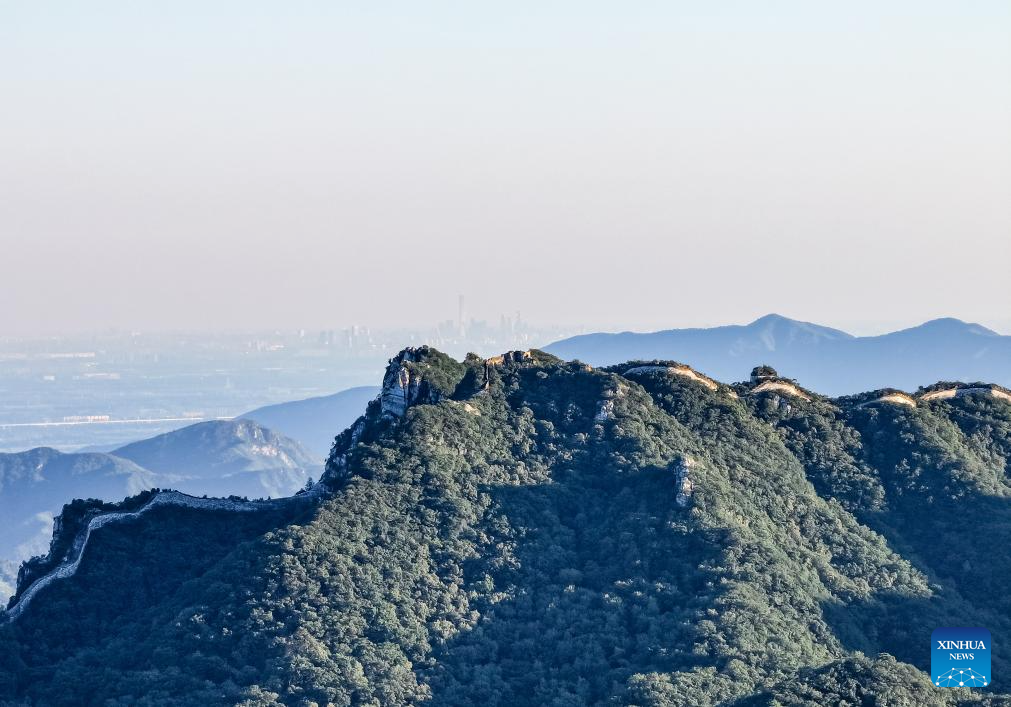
{"x": 605, "y": 408}
{"x": 782, "y": 403}
{"x": 417, "y": 375}
{"x": 605, "y": 411}
{"x": 400, "y": 387}
{"x": 683, "y": 482}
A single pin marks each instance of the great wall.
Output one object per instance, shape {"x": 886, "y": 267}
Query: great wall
{"x": 400, "y": 391}
{"x": 897, "y": 397}
{"x": 681, "y": 370}
{"x": 68, "y": 567}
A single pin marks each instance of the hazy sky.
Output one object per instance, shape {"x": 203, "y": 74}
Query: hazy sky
{"x": 620, "y": 165}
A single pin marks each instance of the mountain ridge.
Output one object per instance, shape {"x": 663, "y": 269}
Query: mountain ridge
{"x": 522, "y": 530}
{"x": 218, "y": 458}
{"x": 825, "y": 359}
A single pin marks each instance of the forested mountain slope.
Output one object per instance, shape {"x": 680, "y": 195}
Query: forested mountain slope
{"x": 35, "y": 484}
{"x": 218, "y": 457}
{"x": 525, "y": 531}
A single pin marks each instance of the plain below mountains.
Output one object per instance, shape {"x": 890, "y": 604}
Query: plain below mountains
{"x": 828, "y": 360}
{"x": 218, "y": 458}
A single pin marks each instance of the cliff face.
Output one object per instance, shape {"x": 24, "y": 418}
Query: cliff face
{"x": 417, "y": 375}
{"x": 527, "y": 531}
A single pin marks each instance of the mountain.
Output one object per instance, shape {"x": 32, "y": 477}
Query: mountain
{"x": 314, "y": 422}
{"x": 827, "y": 360}
{"x": 225, "y": 457}
{"x": 521, "y": 530}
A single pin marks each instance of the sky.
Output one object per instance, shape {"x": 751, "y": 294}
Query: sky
{"x": 248, "y": 164}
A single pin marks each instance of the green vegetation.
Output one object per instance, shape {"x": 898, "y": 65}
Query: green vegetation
{"x": 515, "y": 539}
{"x": 72, "y": 520}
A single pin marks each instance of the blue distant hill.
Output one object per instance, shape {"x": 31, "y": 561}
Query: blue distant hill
{"x": 315, "y": 422}
{"x": 820, "y": 358}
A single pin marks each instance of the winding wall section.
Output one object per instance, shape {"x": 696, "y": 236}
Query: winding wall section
{"x": 68, "y": 567}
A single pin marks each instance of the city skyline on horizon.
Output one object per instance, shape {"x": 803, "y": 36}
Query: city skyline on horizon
{"x": 663, "y": 165}
{"x": 857, "y": 328}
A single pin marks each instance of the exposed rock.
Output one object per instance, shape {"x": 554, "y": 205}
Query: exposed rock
{"x": 683, "y": 480}
{"x": 466, "y": 407}
{"x": 405, "y": 381}
{"x": 400, "y": 389}
{"x": 782, "y": 404}
{"x": 605, "y": 411}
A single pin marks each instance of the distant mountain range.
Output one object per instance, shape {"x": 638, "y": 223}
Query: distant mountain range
{"x": 822, "y": 358}
{"x": 315, "y": 421}
{"x": 223, "y": 457}
{"x": 219, "y": 458}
